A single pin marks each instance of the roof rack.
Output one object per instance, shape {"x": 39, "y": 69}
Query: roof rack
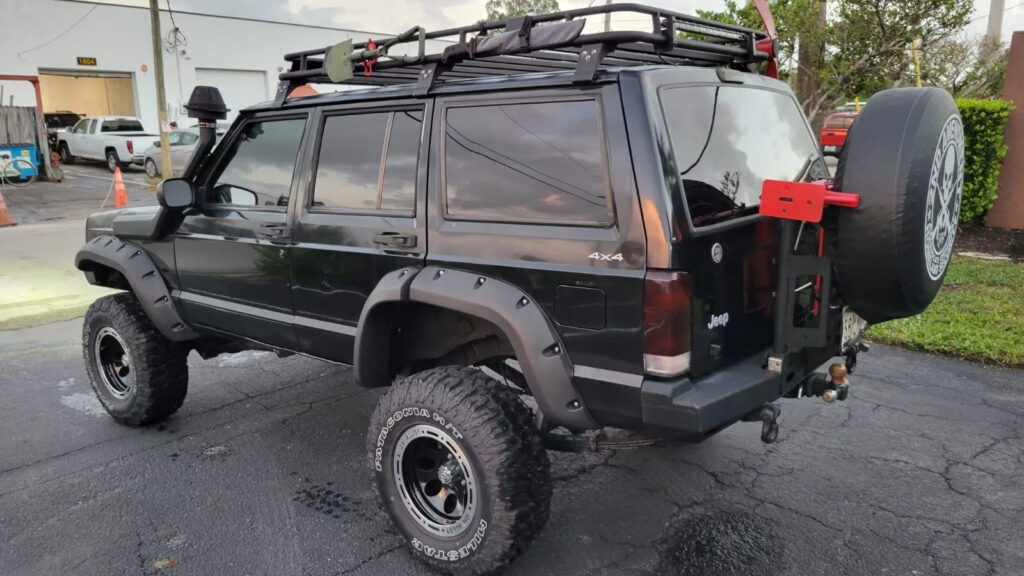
{"x": 527, "y": 44}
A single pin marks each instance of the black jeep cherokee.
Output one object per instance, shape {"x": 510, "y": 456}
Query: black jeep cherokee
{"x": 626, "y": 229}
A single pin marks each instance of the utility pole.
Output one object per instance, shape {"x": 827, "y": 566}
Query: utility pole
{"x": 917, "y": 64}
{"x": 995, "y": 21}
{"x": 607, "y": 17}
{"x": 161, "y": 94}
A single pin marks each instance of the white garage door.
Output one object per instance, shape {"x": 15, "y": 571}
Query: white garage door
{"x": 240, "y": 88}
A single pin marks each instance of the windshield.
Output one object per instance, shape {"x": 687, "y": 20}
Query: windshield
{"x": 728, "y": 139}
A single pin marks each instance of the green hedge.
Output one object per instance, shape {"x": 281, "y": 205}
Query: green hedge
{"x": 984, "y": 123}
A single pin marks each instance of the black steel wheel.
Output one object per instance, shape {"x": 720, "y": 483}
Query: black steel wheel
{"x": 139, "y": 376}
{"x": 460, "y": 468}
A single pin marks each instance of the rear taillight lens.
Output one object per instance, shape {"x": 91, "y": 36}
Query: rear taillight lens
{"x": 131, "y": 149}
{"x": 667, "y": 302}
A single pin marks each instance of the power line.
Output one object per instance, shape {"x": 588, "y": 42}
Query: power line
{"x": 1007, "y": 9}
{"x": 58, "y": 36}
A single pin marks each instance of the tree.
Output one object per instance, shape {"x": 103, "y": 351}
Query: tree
{"x": 968, "y": 67}
{"x": 504, "y": 9}
{"x": 862, "y": 47}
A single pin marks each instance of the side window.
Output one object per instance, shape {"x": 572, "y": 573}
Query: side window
{"x": 92, "y": 126}
{"x": 188, "y": 138}
{"x": 368, "y": 161}
{"x": 80, "y": 127}
{"x": 174, "y": 138}
{"x": 537, "y": 162}
{"x": 257, "y": 168}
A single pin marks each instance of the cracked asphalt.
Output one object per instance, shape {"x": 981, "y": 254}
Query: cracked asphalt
{"x": 263, "y": 472}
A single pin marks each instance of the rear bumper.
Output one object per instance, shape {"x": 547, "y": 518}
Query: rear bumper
{"x": 695, "y": 409}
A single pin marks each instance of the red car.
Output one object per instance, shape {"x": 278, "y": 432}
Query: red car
{"x": 833, "y": 133}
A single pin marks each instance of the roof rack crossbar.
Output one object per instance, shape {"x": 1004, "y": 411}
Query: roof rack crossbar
{"x": 555, "y": 42}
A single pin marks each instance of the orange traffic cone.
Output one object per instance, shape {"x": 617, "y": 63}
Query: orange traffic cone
{"x": 120, "y": 194}
{"x": 5, "y": 216}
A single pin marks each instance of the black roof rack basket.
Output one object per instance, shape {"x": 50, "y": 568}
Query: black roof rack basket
{"x": 527, "y": 44}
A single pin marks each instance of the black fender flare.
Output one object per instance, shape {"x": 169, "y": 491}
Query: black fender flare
{"x": 142, "y": 274}
{"x": 539, "y": 350}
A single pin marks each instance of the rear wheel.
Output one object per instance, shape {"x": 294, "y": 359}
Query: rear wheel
{"x": 460, "y": 468}
{"x": 139, "y": 376}
{"x": 113, "y": 162}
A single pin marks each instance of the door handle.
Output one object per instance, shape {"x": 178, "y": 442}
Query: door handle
{"x": 276, "y": 233}
{"x": 394, "y": 239}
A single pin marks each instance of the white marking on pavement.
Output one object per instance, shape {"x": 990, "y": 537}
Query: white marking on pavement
{"x": 106, "y": 179}
{"x": 66, "y": 383}
{"x": 85, "y": 402}
{"x": 241, "y": 358}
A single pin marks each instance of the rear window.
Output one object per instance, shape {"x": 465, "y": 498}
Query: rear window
{"x": 121, "y": 125}
{"x": 537, "y": 162}
{"x": 839, "y": 122}
{"x": 728, "y": 139}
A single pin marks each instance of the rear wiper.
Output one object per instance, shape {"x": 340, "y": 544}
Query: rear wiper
{"x": 806, "y": 168}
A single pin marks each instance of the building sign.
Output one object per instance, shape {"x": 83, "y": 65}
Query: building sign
{"x": 86, "y": 61}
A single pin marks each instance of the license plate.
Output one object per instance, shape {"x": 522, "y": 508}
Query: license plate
{"x": 853, "y": 329}
{"x": 830, "y": 148}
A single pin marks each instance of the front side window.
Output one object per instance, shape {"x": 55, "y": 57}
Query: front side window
{"x": 257, "y": 168}
{"x": 537, "y": 162}
{"x": 80, "y": 127}
{"x": 727, "y": 140}
{"x": 188, "y": 138}
{"x": 368, "y": 161}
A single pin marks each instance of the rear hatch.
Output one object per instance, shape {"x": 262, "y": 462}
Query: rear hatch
{"x": 726, "y": 140}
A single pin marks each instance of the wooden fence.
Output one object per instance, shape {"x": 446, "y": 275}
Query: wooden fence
{"x": 17, "y": 126}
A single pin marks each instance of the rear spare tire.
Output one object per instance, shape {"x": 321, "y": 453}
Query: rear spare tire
{"x": 904, "y": 155}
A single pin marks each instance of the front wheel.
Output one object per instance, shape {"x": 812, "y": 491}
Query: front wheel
{"x": 139, "y": 376}
{"x": 460, "y": 468}
{"x": 151, "y": 170}
{"x": 65, "y": 154}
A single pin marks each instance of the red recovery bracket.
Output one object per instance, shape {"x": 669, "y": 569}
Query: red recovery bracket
{"x": 802, "y": 201}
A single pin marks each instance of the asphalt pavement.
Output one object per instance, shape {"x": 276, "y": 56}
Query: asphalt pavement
{"x": 38, "y": 279}
{"x": 264, "y": 472}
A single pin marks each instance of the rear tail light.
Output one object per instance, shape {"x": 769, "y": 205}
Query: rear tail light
{"x": 131, "y": 149}
{"x": 667, "y": 302}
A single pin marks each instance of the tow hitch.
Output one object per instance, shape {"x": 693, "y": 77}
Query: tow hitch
{"x": 768, "y": 416}
{"x": 834, "y": 386}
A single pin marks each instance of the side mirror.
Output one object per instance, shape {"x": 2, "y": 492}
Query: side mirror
{"x": 156, "y": 143}
{"x": 176, "y": 194}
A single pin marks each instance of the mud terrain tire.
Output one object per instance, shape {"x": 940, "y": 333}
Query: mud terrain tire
{"x": 152, "y": 381}
{"x": 459, "y": 415}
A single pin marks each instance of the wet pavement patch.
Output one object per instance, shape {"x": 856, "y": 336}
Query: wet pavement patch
{"x": 699, "y": 542}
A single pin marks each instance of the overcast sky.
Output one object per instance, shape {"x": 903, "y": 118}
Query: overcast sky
{"x": 392, "y": 16}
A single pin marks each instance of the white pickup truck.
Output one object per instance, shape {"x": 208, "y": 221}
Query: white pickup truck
{"x": 112, "y": 139}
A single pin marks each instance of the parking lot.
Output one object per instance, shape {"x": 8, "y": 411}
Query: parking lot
{"x": 263, "y": 471}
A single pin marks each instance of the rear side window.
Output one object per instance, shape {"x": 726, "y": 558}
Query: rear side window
{"x": 539, "y": 162}
{"x": 728, "y": 139}
{"x": 368, "y": 162}
{"x": 121, "y": 125}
